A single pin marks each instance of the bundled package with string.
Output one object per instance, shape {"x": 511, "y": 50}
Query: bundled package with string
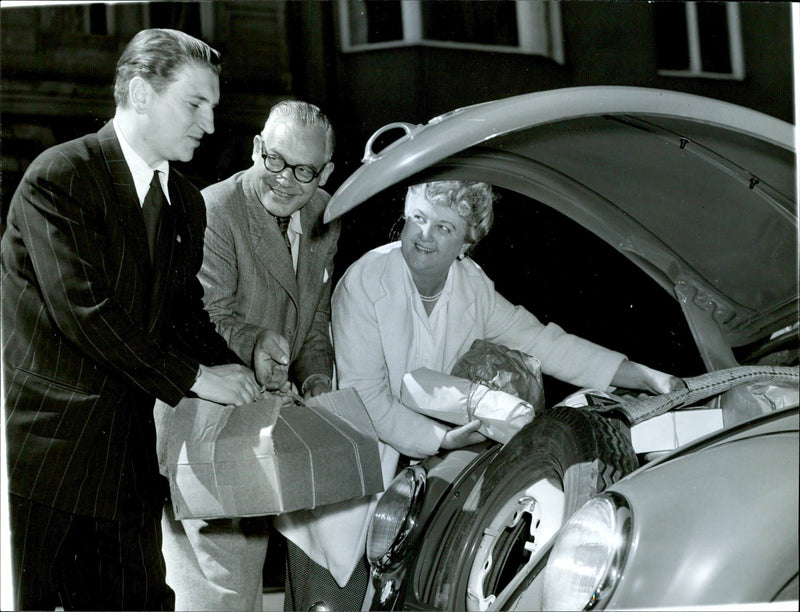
{"x": 499, "y": 386}
{"x": 503, "y": 369}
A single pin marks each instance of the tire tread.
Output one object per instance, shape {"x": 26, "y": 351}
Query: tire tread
{"x": 598, "y": 452}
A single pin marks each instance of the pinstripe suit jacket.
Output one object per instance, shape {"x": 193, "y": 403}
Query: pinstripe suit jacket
{"x": 92, "y": 333}
{"x": 249, "y": 281}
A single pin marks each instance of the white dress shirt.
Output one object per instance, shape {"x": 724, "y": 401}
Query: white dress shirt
{"x": 294, "y": 231}
{"x": 141, "y": 171}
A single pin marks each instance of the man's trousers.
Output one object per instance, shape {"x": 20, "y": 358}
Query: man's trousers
{"x": 215, "y": 564}
{"x": 85, "y": 563}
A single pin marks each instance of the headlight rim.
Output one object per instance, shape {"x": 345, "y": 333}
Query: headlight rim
{"x": 623, "y": 530}
{"x": 394, "y": 554}
{"x": 624, "y": 523}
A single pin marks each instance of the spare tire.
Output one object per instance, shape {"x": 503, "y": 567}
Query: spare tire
{"x": 533, "y": 484}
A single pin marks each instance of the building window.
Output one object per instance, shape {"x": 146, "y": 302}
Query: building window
{"x": 84, "y": 19}
{"x": 699, "y": 39}
{"x": 522, "y": 26}
{"x": 183, "y": 16}
{"x": 372, "y": 22}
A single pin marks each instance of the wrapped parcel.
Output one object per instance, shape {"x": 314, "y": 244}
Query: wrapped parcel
{"x": 504, "y": 369}
{"x": 458, "y": 401}
{"x": 262, "y": 458}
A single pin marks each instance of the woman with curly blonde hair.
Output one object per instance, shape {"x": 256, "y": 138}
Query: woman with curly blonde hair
{"x": 421, "y": 302}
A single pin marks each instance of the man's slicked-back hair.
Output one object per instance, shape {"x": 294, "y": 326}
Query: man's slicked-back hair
{"x": 156, "y": 55}
{"x": 306, "y": 114}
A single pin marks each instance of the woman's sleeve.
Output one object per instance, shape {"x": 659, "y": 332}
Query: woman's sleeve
{"x": 563, "y": 355}
{"x": 361, "y": 364}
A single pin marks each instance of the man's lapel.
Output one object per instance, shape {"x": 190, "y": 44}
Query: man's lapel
{"x": 312, "y": 256}
{"x": 127, "y": 203}
{"x": 268, "y": 241}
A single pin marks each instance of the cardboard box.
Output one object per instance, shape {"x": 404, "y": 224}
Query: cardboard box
{"x": 257, "y": 459}
{"x": 458, "y": 401}
{"x": 675, "y": 428}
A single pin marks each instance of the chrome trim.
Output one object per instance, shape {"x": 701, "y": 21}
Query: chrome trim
{"x": 396, "y": 552}
{"x": 624, "y": 522}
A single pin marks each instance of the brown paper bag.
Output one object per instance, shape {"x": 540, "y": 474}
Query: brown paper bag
{"x": 257, "y": 459}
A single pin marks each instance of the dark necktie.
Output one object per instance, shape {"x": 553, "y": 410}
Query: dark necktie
{"x": 151, "y": 211}
{"x": 283, "y": 224}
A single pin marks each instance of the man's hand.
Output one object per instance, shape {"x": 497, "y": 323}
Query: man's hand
{"x": 271, "y": 360}
{"x": 463, "y": 436}
{"x": 226, "y": 384}
{"x": 316, "y": 384}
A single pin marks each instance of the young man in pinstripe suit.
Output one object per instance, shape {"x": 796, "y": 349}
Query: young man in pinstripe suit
{"x": 101, "y": 315}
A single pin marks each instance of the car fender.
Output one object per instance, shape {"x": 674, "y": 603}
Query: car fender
{"x": 735, "y": 506}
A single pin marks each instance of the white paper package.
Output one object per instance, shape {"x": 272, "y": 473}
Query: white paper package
{"x": 458, "y": 401}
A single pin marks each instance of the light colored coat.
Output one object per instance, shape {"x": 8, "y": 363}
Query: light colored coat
{"x": 249, "y": 280}
{"x": 372, "y": 339}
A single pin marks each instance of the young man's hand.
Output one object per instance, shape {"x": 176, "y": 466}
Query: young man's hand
{"x": 226, "y": 384}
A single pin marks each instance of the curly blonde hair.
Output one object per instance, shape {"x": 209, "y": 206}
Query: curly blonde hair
{"x": 472, "y": 200}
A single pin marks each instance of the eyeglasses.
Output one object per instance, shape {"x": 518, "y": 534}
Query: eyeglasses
{"x": 302, "y": 172}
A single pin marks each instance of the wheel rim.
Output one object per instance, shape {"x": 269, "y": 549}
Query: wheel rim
{"x": 511, "y": 543}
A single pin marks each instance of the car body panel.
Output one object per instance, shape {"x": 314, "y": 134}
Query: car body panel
{"x": 676, "y": 182}
{"x": 465, "y": 127}
{"x": 728, "y": 533}
{"x": 713, "y": 522}
{"x": 448, "y": 506}
{"x": 700, "y": 194}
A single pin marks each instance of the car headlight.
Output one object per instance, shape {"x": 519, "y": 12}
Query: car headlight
{"x": 395, "y": 517}
{"x": 588, "y": 554}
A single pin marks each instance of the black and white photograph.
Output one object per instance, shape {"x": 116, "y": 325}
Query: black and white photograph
{"x": 341, "y": 305}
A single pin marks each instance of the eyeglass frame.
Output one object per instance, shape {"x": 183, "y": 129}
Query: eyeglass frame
{"x": 286, "y": 164}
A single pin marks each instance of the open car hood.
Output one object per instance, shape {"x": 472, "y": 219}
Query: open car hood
{"x": 699, "y": 193}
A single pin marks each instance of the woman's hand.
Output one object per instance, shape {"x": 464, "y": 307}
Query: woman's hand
{"x": 632, "y": 375}
{"x": 463, "y": 436}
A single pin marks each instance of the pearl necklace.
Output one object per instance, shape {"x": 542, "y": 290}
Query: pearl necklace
{"x": 430, "y": 298}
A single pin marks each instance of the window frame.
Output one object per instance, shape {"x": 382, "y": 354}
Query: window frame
{"x": 205, "y": 10}
{"x": 84, "y": 11}
{"x": 539, "y": 31}
{"x": 735, "y": 47}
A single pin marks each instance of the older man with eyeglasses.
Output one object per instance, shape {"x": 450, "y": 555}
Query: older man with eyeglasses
{"x": 267, "y": 272}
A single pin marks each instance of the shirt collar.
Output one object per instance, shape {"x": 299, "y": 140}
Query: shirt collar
{"x": 142, "y": 173}
{"x": 294, "y": 222}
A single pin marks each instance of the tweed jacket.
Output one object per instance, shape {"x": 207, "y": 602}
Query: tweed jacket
{"x": 249, "y": 280}
{"x": 92, "y": 333}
